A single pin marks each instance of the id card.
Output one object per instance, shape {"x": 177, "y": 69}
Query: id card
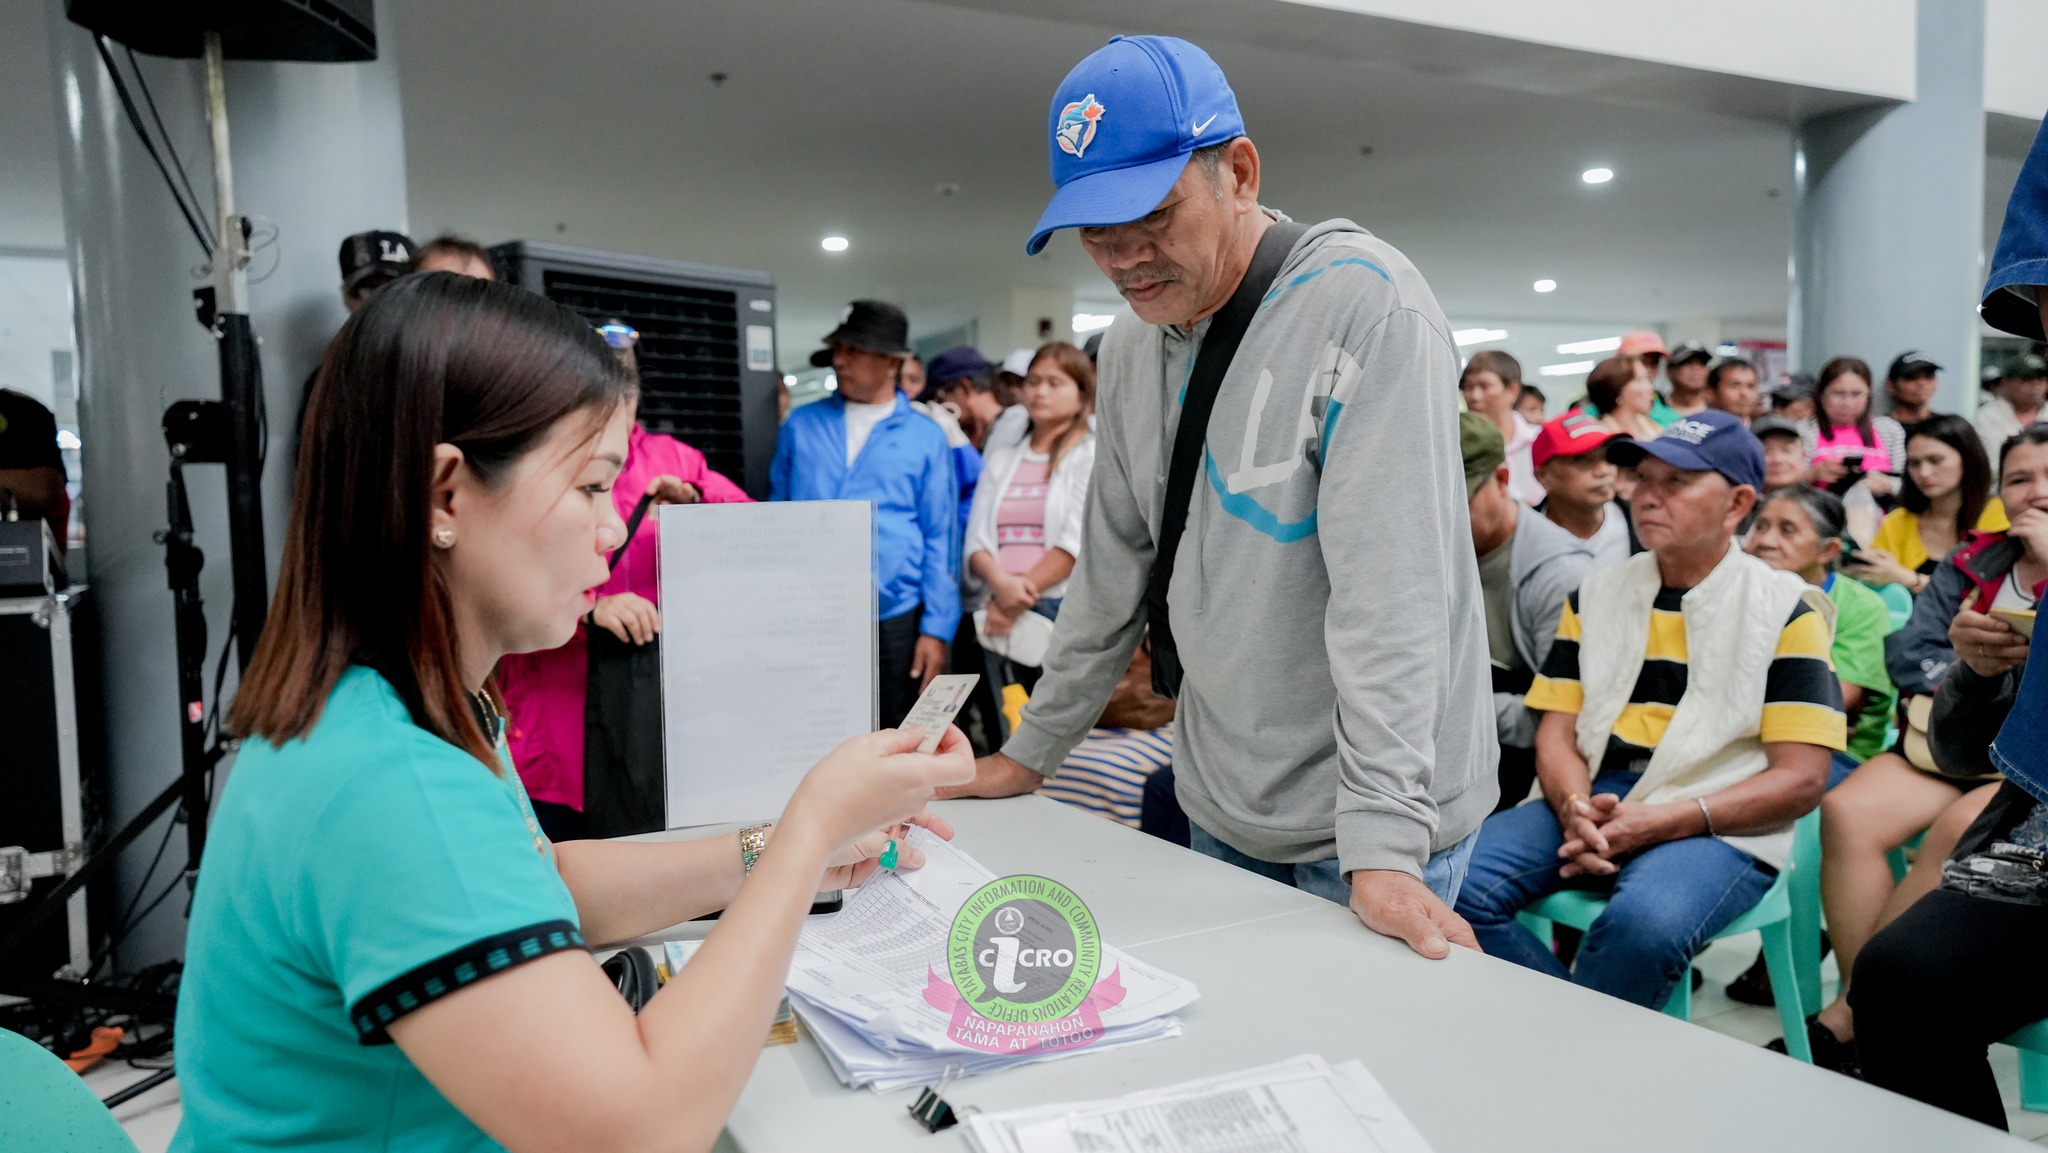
{"x": 941, "y": 701}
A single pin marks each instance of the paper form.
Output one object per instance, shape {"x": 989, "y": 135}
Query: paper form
{"x": 767, "y": 650}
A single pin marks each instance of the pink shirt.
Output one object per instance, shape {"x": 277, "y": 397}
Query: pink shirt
{"x": 1020, "y": 518}
{"x": 544, "y": 692}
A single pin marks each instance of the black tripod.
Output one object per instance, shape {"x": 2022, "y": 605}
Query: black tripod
{"x": 229, "y": 432}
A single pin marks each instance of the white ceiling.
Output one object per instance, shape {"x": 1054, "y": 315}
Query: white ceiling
{"x": 597, "y": 123}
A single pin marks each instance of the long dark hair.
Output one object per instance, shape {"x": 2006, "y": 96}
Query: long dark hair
{"x": 1839, "y": 367}
{"x": 1956, "y": 433}
{"x": 1605, "y": 383}
{"x": 436, "y": 358}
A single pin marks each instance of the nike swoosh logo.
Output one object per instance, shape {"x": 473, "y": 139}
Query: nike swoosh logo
{"x": 1205, "y": 124}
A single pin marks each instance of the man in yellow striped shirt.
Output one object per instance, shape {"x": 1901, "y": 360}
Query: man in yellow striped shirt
{"x": 1676, "y": 871}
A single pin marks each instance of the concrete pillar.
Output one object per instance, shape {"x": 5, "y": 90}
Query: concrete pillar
{"x": 318, "y": 152}
{"x": 1890, "y": 217}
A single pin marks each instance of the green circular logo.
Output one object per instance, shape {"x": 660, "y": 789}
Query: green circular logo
{"x": 1024, "y": 948}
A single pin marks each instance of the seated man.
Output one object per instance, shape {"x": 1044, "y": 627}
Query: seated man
{"x": 1527, "y": 566}
{"x": 1571, "y": 463}
{"x": 1689, "y": 712}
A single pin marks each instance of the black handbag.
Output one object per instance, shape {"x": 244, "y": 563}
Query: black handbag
{"x": 624, "y": 788}
{"x": 1219, "y": 346}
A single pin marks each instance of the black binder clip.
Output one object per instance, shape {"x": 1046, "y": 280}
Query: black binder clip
{"x": 931, "y": 1109}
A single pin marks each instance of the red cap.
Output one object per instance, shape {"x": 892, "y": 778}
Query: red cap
{"x": 1573, "y": 434}
{"x": 1643, "y": 343}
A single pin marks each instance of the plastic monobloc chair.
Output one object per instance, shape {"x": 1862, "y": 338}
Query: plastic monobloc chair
{"x": 45, "y": 1106}
{"x": 1772, "y": 917}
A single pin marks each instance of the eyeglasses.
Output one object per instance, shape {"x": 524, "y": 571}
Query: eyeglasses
{"x": 619, "y": 336}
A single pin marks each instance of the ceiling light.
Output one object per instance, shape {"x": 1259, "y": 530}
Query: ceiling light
{"x": 1545, "y": 286}
{"x": 831, "y": 382}
{"x": 1086, "y": 322}
{"x": 1582, "y": 347}
{"x": 1569, "y": 368}
{"x": 834, "y": 243}
{"x": 1465, "y": 336}
{"x": 1597, "y": 175}
{"x": 788, "y": 380}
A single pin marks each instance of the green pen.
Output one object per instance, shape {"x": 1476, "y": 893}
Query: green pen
{"x": 889, "y": 855}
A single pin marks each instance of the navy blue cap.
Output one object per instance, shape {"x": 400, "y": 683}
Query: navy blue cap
{"x": 1707, "y": 441}
{"x": 1122, "y": 125}
{"x": 955, "y": 363}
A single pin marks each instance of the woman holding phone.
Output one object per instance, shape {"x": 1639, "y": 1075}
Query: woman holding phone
{"x": 1945, "y": 493}
{"x": 384, "y": 950}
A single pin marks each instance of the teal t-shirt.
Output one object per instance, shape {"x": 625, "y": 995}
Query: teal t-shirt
{"x": 351, "y": 877}
{"x": 1861, "y": 622}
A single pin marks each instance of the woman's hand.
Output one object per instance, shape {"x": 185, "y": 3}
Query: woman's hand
{"x": 870, "y": 782}
{"x": 1014, "y": 593}
{"x": 997, "y": 623}
{"x": 1988, "y": 645}
{"x": 673, "y": 490}
{"x": 2031, "y": 526}
{"x": 1828, "y": 469}
{"x": 1875, "y": 566}
{"x": 1880, "y": 483}
{"x": 858, "y": 861}
{"x": 628, "y": 616}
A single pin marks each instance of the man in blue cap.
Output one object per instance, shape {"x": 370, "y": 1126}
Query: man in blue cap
{"x": 1689, "y": 710}
{"x": 1335, "y": 725}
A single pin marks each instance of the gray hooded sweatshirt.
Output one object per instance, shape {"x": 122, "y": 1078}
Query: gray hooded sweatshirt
{"x": 1337, "y": 700}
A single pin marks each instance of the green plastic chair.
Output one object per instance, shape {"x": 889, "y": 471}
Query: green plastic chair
{"x": 2032, "y": 1042}
{"x": 46, "y": 1107}
{"x": 1771, "y": 916}
{"x": 1899, "y": 601}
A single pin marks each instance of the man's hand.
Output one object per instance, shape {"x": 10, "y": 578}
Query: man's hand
{"x": 1988, "y": 645}
{"x": 927, "y": 660}
{"x": 1394, "y": 904}
{"x": 995, "y": 776}
{"x": 1630, "y": 827}
{"x": 1580, "y": 821}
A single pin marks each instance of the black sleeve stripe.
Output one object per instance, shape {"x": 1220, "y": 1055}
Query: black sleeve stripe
{"x": 1799, "y": 610}
{"x": 451, "y": 971}
{"x": 1562, "y": 662}
{"x": 1806, "y": 680}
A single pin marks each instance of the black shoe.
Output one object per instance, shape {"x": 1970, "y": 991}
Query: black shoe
{"x": 1754, "y": 986}
{"x": 1698, "y": 979}
{"x": 1829, "y": 1052}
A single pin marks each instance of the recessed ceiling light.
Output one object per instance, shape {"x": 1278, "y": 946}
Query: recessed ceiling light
{"x": 1582, "y": 347}
{"x": 834, "y": 244}
{"x": 1597, "y": 175}
{"x": 1545, "y": 286}
{"x": 1570, "y": 368}
{"x": 1465, "y": 336}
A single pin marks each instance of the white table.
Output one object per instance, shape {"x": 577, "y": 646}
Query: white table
{"x": 1481, "y": 1054}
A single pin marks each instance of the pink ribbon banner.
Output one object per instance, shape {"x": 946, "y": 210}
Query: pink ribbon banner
{"x": 1081, "y": 1027}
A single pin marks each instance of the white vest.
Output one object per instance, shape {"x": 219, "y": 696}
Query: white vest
{"x": 1733, "y": 619}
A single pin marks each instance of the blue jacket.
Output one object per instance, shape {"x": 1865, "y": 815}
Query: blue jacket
{"x": 2021, "y": 258}
{"x": 906, "y": 472}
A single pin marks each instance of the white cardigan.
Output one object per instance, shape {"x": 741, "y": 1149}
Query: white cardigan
{"x": 1066, "y": 495}
{"x": 1733, "y": 619}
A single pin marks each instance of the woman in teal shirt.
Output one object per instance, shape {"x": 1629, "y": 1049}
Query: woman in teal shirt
{"x": 384, "y": 952}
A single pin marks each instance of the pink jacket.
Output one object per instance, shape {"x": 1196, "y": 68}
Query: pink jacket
{"x": 544, "y": 692}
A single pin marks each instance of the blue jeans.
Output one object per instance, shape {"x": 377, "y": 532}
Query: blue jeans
{"x": 1443, "y": 873}
{"x": 1663, "y": 906}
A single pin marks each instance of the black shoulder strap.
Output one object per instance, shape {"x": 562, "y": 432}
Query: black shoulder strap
{"x": 1212, "y": 362}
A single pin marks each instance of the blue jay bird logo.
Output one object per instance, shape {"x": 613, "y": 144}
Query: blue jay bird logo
{"x": 1076, "y": 128}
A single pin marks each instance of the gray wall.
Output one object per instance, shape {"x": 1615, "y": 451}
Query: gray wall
{"x": 318, "y": 151}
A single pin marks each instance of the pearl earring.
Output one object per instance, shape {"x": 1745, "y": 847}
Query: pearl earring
{"x": 445, "y": 537}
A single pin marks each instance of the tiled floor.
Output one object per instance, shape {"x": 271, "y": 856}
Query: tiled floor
{"x": 151, "y": 1118}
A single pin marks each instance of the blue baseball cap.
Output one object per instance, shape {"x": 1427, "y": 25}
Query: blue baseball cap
{"x": 1707, "y": 441}
{"x": 1122, "y": 125}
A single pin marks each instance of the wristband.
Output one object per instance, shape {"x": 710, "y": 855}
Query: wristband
{"x": 753, "y": 839}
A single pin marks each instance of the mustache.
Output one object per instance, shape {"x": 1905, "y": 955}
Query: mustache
{"x": 1156, "y": 271}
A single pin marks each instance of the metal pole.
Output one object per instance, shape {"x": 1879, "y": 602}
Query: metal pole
{"x": 231, "y": 262}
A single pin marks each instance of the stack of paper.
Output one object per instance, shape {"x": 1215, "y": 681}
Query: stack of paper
{"x": 859, "y": 978}
{"x": 1298, "y": 1106}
